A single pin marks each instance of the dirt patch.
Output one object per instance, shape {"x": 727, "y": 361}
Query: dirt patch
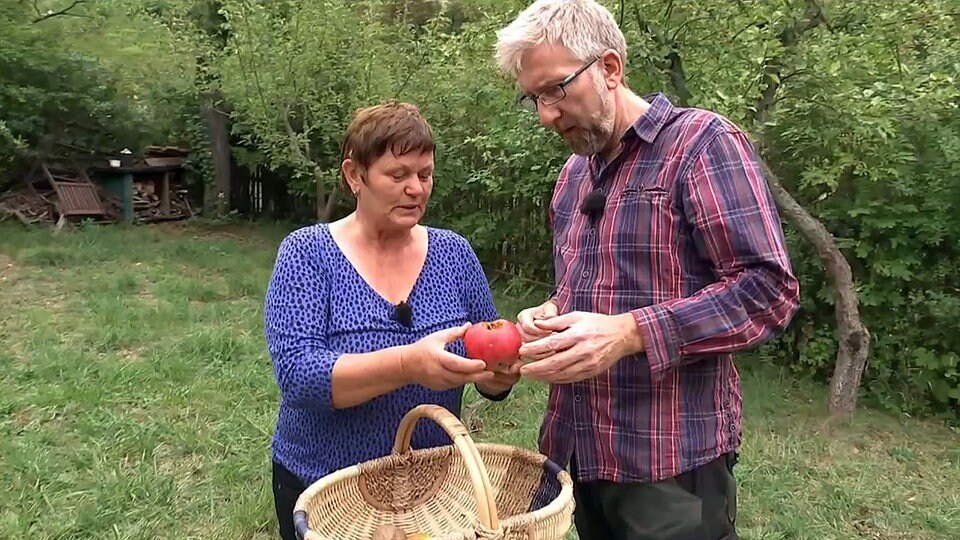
{"x": 171, "y": 227}
{"x": 130, "y": 354}
{"x": 237, "y": 232}
{"x": 6, "y": 265}
{"x": 9, "y": 275}
{"x": 231, "y": 231}
{"x": 20, "y": 419}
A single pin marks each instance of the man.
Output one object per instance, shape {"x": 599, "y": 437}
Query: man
{"x": 669, "y": 256}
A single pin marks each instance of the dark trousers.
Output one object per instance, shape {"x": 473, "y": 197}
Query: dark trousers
{"x": 286, "y": 489}
{"x": 698, "y": 505}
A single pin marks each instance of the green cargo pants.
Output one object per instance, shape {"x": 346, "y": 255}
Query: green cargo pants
{"x": 698, "y": 505}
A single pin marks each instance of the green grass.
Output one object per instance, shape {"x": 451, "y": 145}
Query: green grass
{"x": 137, "y": 401}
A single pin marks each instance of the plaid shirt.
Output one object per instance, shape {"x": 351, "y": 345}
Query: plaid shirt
{"x": 690, "y": 242}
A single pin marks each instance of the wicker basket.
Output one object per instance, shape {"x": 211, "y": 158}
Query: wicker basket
{"x": 460, "y": 491}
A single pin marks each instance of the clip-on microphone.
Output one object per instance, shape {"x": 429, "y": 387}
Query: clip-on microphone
{"x": 593, "y": 204}
{"x": 403, "y": 313}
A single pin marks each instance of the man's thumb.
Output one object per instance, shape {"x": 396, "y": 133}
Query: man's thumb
{"x": 558, "y": 323}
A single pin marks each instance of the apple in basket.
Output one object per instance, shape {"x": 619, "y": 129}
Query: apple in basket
{"x": 497, "y": 343}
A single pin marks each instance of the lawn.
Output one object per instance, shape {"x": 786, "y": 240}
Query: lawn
{"x": 137, "y": 401}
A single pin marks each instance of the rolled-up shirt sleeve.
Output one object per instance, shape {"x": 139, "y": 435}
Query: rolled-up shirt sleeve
{"x": 296, "y": 324}
{"x": 728, "y": 205}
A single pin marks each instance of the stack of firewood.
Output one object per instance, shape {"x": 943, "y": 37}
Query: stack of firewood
{"x": 146, "y": 203}
{"x": 37, "y": 200}
{"x": 147, "y": 207}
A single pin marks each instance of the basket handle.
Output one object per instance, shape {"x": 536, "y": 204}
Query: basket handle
{"x": 486, "y": 505}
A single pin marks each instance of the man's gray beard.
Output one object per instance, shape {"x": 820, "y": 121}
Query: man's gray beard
{"x": 601, "y": 129}
{"x": 591, "y": 142}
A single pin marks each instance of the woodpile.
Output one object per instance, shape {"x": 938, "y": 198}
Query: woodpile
{"x": 55, "y": 196}
{"x": 28, "y": 205}
{"x": 52, "y": 196}
{"x": 148, "y": 205}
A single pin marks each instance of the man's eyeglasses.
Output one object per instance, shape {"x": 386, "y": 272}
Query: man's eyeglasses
{"x": 554, "y": 93}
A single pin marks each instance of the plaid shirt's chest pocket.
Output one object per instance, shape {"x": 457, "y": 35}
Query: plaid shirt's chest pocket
{"x": 642, "y": 235}
{"x": 642, "y": 220}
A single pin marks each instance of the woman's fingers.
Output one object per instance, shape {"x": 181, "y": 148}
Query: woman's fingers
{"x": 449, "y": 335}
{"x": 459, "y": 364}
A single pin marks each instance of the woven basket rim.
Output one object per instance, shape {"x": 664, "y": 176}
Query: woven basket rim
{"x": 555, "y": 506}
{"x": 351, "y": 473}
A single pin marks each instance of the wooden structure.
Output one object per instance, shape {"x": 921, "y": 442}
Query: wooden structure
{"x": 152, "y": 190}
{"x": 54, "y": 194}
{"x": 76, "y": 194}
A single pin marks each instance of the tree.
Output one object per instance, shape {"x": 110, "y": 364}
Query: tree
{"x": 295, "y": 77}
{"x": 213, "y": 35}
{"x": 56, "y": 99}
{"x": 786, "y": 79}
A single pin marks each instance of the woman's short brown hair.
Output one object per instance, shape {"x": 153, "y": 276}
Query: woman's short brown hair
{"x": 395, "y": 126}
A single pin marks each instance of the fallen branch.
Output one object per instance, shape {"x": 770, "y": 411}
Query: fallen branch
{"x": 17, "y": 214}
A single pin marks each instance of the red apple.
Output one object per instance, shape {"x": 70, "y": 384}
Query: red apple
{"x": 497, "y": 343}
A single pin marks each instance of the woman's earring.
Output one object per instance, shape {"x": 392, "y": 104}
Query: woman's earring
{"x": 356, "y": 193}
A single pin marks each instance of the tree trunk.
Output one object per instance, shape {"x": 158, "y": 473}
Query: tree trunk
{"x": 331, "y": 204}
{"x": 208, "y": 18}
{"x": 853, "y": 337}
{"x": 216, "y": 121}
{"x": 318, "y": 179}
{"x": 325, "y": 202}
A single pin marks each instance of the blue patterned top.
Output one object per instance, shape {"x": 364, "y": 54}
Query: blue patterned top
{"x": 319, "y": 307}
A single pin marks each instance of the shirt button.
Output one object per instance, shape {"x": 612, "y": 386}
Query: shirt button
{"x": 584, "y": 274}
{"x": 577, "y": 398}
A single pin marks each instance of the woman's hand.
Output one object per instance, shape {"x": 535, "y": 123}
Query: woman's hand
{"x": 502, "y": 380}
{"x": 428, "y": 363}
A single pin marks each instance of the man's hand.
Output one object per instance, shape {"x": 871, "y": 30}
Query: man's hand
{"x": 525, "y": 320}
{"x": 579, "y": 346}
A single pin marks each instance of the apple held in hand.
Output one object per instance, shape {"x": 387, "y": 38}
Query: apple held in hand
{"x": 497, "y": 343}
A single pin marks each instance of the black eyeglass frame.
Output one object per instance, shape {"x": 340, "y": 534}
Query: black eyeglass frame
{"x": 530, "y": 102}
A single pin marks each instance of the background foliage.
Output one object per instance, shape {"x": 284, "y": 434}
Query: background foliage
{"x": 863, "y": 127}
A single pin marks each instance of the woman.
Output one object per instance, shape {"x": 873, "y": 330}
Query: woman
{"x": 363, "y": 315}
